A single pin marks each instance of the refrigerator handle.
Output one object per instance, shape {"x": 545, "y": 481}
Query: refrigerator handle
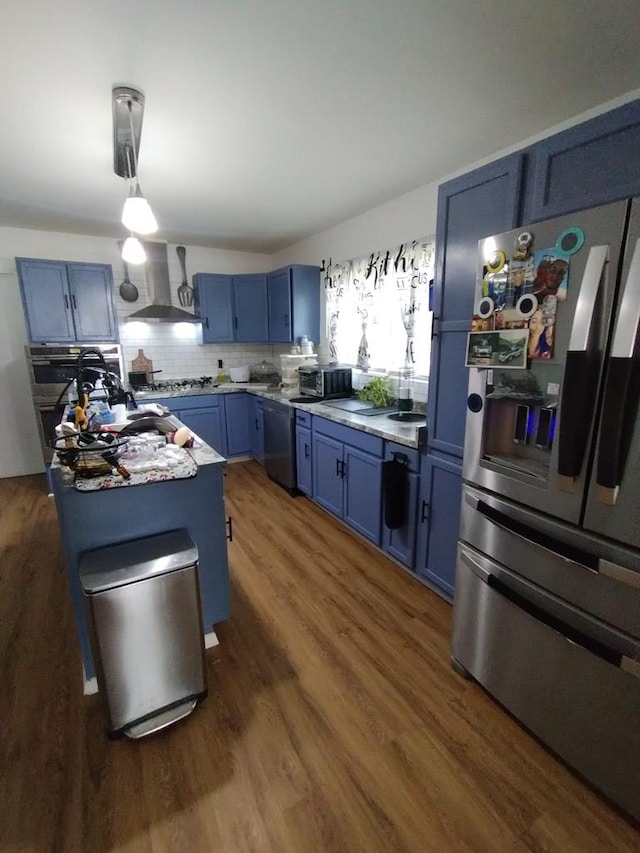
{"x": 569, "y": 553}
{"x": 579, "y": 384}
{"x": 618, "y": 404}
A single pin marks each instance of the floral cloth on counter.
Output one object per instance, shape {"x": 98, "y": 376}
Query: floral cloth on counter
{"x": 148, "y": 460}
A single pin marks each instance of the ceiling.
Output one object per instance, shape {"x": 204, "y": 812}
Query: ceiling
{"x": 268, "y": 122}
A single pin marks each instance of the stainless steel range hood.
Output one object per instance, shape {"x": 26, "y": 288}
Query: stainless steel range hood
{"x": 157, "y": 273}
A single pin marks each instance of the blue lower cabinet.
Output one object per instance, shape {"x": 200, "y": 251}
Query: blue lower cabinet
{"x": 256, "y": 428}
{"x": 400, "y": 543}
{"x": 237, "y": 407}
{"x": 304, "y": 470}
{"x": 438, "y": 520}
{"x": 207, "y": 423}
{"x": 363, "y": 492}
{"x": 348, "y": 483}
{"x": 203, "y": 413}
{"x": 328, "y": 485}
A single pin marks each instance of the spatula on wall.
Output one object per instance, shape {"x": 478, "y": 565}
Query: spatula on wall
{"x": 185, "y": 291}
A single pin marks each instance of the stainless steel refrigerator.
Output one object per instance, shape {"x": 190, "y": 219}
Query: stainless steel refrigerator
{"x": 547, "y": 597}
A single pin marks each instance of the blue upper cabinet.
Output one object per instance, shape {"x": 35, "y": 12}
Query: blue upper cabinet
{"x": 279, "y": 292}
{"x": 475, "y": 205}
{"x": 67, "y": 301}
{"x": 91, "y": 290}
{"x": 214, "y": 305}
{"x": 250, "y": 302}
{"x": 294, "y": 303}
{"x": 594, "y": 163}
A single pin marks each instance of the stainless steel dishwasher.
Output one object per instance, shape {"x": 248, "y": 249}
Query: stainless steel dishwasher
{"x": 280, "y": 443}
{"x": 146, "y": 630}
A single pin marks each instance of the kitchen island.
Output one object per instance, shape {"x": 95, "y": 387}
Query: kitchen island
{"x": 109, "y": 516}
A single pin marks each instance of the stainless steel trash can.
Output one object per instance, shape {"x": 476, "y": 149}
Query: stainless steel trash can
{"x": 146, "y": 630}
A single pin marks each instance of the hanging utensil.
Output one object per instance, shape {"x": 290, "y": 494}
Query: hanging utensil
{"x": 185, "y": 291}
{"x": 128, "y": 290}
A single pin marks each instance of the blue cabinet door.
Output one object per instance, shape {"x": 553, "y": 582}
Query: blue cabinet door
{"x": 279, "y": 294}
{"x": 438, "y": 520}
{"x": 305, "y": 302}
{"x": 237, "y": 415}
{"x": 476, "y": 205}
{"x": 328, "y": 485}
{"x": 207, "y": 423}
{"x": 363, "y": 492}
{"x": 304, "y": 469}
{"x": 214, "y": 305}
{"x": 568, "y": 171}
{"x": 401, "y": 542}
{"x": 250, "y": 301}
{"x": 256, "y": 428}
{"x": 91, "y": 293}
{"x": 46, "y": 301}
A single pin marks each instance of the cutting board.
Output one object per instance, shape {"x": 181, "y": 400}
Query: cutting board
{"x": 142, "y": 363}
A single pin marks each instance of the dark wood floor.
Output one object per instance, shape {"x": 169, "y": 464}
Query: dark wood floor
{"x": 333, "y": 723}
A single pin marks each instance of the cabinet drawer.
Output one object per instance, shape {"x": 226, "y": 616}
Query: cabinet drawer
{"x": 303, "y": 418}
{"x": 408, "y": 454}
{"x": 355, "y": 437}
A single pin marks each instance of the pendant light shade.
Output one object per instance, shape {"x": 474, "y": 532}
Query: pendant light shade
{"x": 137, "y": 214}
{"x": 133, "y": 251}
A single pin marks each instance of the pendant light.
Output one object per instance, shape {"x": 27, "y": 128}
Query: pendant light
{"x": 133, "y": 251}
{"x": 136, "y": 214}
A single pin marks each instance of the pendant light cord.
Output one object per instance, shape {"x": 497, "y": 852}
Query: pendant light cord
{"x": 133, "y": 144}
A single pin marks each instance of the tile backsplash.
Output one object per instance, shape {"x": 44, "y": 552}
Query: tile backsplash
{"x": 173, "y": 347}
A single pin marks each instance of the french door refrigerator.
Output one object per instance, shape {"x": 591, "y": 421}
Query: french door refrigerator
{"x": 547, "y": 596}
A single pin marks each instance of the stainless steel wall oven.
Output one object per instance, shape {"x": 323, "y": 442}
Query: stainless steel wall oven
{"x": 51, "y": 368}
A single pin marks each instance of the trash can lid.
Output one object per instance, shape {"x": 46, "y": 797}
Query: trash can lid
{"x": 136, "y": 560}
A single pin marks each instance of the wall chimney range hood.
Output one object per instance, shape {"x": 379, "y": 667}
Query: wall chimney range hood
{"x": 157, "y": 274}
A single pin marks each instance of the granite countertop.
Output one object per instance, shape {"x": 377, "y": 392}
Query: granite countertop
{"x": 411, "y": 435}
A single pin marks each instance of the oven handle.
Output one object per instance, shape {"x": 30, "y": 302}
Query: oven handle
{"x": 574, "y": 556}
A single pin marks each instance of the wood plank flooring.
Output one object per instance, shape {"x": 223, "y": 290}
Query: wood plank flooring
{"x": 333, "y": 722}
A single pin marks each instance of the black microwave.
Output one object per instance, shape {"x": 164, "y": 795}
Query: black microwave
{"x": 325, "y": 381}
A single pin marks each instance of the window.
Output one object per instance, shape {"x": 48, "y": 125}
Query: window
{"x": 378, "y": 313}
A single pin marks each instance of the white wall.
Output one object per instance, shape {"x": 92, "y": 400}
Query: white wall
{"x": 177, "y": 355}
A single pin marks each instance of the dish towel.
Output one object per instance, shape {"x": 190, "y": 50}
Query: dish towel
{"x": 395, "y": 490}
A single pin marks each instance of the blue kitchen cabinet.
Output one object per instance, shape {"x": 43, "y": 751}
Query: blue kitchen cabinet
{"x": 279, "y": 295}
{"x": 328, "y": 487}
{"x": 483, "y": 202}
{"x": 362, "y": 492}
{"x": 400, "y": 542}
{"x": 237, "y": 420}
{"x": 67, "y": 301}
{"x": 207, "y": 423}
{"x": 294, "y": 303}
{"x": 214, "y": 305}
{"x": 347, "y": 475}
{"x": 250, "y": 304}
{"x": 203, "y": 413}
{"x": 567, "y": 171}
{"x": 438, "y": 521}
{"x": 256, "y": 428}
{"x": 304, "y": 467}
{"x": 232, "y": 308}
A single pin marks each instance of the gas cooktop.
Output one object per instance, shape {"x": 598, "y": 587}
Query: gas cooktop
{"x": 179, "y": 384}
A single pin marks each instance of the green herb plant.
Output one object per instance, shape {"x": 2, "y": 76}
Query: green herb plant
{"x": 376, "y": 391}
